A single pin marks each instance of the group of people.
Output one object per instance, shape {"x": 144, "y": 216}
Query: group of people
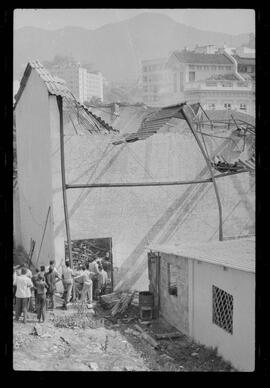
{"x": 88, "y": 282}
{"x": 41, "y": 284}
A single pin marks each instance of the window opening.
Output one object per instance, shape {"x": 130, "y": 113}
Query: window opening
{"x": 222, "y": 309}
{"x": 172, "y": 279}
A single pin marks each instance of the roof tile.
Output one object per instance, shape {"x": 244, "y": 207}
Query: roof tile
{"x": 193, "y": 57}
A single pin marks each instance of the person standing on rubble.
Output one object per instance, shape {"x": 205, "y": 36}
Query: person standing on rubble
{"x": 87, "y": 290}
{"x": 102, "y": 280}
{"x": 34, "y": 280}
{"x": 67, "y": 279}
{"x": 93, "y": 267}
{"x": 52, "y": 266}
{"x": 23, "y": 293}
{"x": 41, "y": 287}
{"x": 52, "y": 278}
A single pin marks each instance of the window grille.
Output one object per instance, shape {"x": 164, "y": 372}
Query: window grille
{"x": 172, "y": 279}
{"x": 222, "y": 309}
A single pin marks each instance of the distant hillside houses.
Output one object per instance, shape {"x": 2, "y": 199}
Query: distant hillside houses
{"x": 219, "y": 78}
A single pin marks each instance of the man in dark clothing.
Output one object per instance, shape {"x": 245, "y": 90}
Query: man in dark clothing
{"x": 34, "y": 280}
{"x": 41, "y": 286}
{"x": 52, "y": 278}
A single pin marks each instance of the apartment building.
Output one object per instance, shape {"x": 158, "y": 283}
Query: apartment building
{"x": 155, "y": 82}
{"x": 83, "y": 84}
{"x": 218, "y": 80}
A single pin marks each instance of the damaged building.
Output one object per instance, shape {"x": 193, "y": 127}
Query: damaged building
{"x": 109, "y": 144}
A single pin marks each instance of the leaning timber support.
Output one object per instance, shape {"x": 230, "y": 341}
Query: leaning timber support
{"x": 63, "y": 174}
{"x": 186, "y": 115}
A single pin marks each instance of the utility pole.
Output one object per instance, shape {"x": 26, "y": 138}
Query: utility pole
{"x": 188, "y": 120}
{"x": 63, "y": 173}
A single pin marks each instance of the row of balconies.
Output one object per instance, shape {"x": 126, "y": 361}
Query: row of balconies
{"x": 219, "y": 85}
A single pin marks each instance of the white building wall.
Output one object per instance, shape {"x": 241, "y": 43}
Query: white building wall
{"x": 239, "y": 347}
{"x": 34, "y": 167}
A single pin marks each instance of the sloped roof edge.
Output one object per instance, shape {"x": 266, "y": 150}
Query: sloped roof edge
{"x": 56, "y": 87}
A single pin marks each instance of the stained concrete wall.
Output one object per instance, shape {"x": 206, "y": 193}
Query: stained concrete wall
{"x": 175, "y": 309}
{"x": 34, "y": 167}
{"x": 239, "y": 347}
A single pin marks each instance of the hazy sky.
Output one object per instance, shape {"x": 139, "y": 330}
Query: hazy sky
{"x": 232, "y": 21}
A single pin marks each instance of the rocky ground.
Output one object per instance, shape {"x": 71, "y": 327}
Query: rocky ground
{"x": 68, "y": 341}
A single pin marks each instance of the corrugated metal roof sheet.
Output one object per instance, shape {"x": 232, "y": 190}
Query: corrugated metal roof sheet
{"x": 193, "y": 57}
{"x": 154, "y": 121}
{"x": 238, "y": 254}
{"x": 56, "y": 86}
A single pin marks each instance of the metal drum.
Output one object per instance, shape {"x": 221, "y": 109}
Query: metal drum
{"x": 146, "y": 305}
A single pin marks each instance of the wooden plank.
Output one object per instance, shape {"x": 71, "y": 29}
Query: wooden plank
{"x": 168, "y": 335}
{"x": 147, "y": 337}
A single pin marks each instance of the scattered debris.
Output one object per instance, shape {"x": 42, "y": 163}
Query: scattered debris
{"x": 121, "y": 306}
{"x": 147, "y": 323}
{"x": 147, "y": 337}
{"x": 131, "y": 331}
{"x": 46, "y": 335}
{"x": 75, "y": 320}
{"x": 194, "y": 354}
{"x": 168, "y": 335}
{"x": 109, "y": 300}
{"x": 93, "y": 366}
{"x": 64, "y": 340}
{"x": 36, "y": 331}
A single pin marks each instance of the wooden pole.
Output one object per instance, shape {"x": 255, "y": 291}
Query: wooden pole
{"x": 187, "y": 118}
{"x": 63, "y": 173}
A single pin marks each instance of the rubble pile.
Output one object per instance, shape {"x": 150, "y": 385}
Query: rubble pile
{"x": 117, "y": 302}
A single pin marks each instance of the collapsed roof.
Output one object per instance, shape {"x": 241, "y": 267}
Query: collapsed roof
{"x": 57, "y": 87}
{"x": 154, "y": 121}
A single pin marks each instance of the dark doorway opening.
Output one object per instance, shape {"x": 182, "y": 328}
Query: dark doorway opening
{"x": 85, "y": 249}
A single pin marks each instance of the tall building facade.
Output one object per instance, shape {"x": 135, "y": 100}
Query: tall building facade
{"x": 217, "y": 78}
{"x": 155, "y": 81}
{"x": 83, "y": 84}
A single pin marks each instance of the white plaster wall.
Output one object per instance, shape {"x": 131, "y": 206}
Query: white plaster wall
{"x": 34, "y": 167}
{"x": 238, "y": 348}
{"x": 175, "y": 309}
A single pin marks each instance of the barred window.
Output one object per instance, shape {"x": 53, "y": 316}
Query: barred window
{"x": 222, "y": 309}
{"x": 172, "y": 279}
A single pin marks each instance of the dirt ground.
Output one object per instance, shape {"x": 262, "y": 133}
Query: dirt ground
{"x": 110, "y": 346}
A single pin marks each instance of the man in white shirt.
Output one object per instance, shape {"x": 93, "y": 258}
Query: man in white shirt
{"x": 87, "y": 290}
{"x": 67, "y": 279}
{"x": 23, "y": 293}
{"x": 93, "y": 267}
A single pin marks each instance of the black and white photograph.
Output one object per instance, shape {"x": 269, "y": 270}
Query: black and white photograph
{"x": 134, "y": 205}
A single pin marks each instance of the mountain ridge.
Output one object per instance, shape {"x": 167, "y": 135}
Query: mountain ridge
{"x": 116, "y": 49}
